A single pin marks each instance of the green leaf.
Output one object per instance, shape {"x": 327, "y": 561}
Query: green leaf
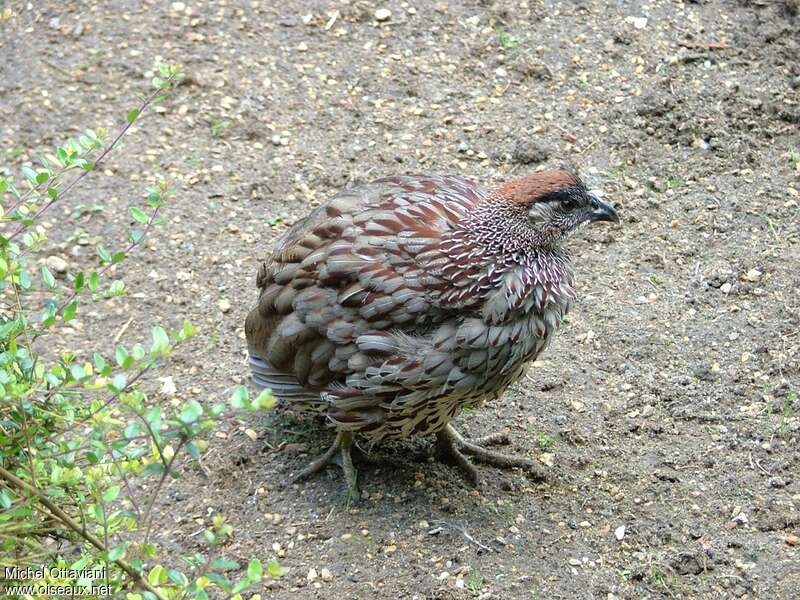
{"x": 275, "y": 570}
{"x": 188, "y": 330}
{"x": 193, "y": 450}
{"x": 52, "y": 193}
{"x": 265, "y": 400}
{"x": 42, "y": 177}
{"x": 116, "y": 552}
{"x": 80, "y": 281}
{"x": 240, "y": 396}
{"x": 49, "y": 314}
{"x": 124, "y": 359}
{"x": 29, "y": 173}
{"x": 111, "y": 493}
{"x": 191, "y": 411}
{"x": 94, "y": 281}
{"x": 157, "y": 575}
{"x": 100, "y": 363}
{"x": 164, "y": 70}
{"x": 242, "y": 584}
{"x": 118, "y": 257}
{"x": 254, "y": 570}
{"x": 117, "y": 288}
{"x": 178, "y": 578}
{"x": 48, "y": 278}
{"x": 160, "y": 340}
{"x": 70, "y": 310}
{"x": 5, "y": 499}
{"x": 133, "y": 115}
{"x": 104, "y": 255}
{"x": 119, "y": 382}
{"x": 223, "y": 564}
{"x": 139, "y": 215}
{"x": 77, "y": 372}
{"x": 153, "y": 469}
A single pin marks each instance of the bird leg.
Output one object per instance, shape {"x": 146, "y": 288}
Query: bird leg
{"x": 451, "y": 446}
{"x": 338, "y": 453}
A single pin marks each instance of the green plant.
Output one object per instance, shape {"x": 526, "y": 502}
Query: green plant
{"x": 219, "y": 127}
{"x": 15, "y": 152}
{"x": 276, "y": 220}
{"x": 505, "y": 510}
{"x": 86, "y": 446}
{"x": 782, "y": 429}
{"x": 673, "y": 181}
{"x": 794, "y": 157}
{"x": 544, "y": 441}
{"x": 474, "y": 582}
{"x": 507, "y": 40}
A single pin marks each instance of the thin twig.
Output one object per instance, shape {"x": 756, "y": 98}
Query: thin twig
{"x": 154, "y": 495}
{"x": 131, "y": 246}
{"x": 463, "y": 531}
{"x": 64, "y": 518}
{"x": 106, "y": 151}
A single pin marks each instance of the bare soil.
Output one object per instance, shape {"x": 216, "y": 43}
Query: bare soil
{"x": 667, "y": 405}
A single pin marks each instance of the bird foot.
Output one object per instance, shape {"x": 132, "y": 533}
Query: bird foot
{"x": 338, "y": 453}
{"x": 452, "y": 447}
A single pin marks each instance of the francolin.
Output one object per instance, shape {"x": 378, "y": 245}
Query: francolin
{"x": 397, "y": 304}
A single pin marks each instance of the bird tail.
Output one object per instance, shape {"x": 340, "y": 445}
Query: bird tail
{"x": 283, "y": 385}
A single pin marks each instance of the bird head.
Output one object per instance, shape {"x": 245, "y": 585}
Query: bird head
{"x": 555, "y": 203}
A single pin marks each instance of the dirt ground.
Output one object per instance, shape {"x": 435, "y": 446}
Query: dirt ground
{"x": 665, "y": 412}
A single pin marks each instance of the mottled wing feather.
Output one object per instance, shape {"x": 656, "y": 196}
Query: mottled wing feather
{"x": 349, "y": 269}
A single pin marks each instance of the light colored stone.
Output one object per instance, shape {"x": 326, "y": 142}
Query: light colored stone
{"x": 383, "y": 14}
{"x": 57, "y": 264}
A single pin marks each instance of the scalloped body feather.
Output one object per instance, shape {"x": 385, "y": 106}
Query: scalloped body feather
{"x": 398, "y": 303}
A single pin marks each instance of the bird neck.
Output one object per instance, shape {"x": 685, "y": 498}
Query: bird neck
{"x": 503, "y": 229}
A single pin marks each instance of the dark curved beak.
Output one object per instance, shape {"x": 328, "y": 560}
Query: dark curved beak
{"x": 602, "y": 211}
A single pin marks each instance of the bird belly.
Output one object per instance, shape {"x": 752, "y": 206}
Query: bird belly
{"x": 425, "y": 411}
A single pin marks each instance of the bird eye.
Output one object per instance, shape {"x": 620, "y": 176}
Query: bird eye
{"x": 568, "y": 203}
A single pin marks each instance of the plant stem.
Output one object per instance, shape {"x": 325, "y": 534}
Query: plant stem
{"x": 109, "y": 147}
{"x": 64, "y": 518}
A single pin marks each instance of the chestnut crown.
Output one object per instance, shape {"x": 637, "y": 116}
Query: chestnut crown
{"x": 556, "y": 203}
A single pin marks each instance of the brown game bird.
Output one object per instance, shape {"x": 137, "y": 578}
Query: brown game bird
{"x": 398, "y": 303}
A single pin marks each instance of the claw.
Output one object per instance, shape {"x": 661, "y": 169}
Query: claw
{"x": 338, "y": 453}
{"x": 453, "y": 447}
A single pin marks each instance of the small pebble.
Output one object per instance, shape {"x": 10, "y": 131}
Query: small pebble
{"x": 546, "y": 458}
{"x": 326, "y": 575}
{"x": 753, "y": 275}
{"x": 383, "y": 14}
{"x": 57, "y": 264}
